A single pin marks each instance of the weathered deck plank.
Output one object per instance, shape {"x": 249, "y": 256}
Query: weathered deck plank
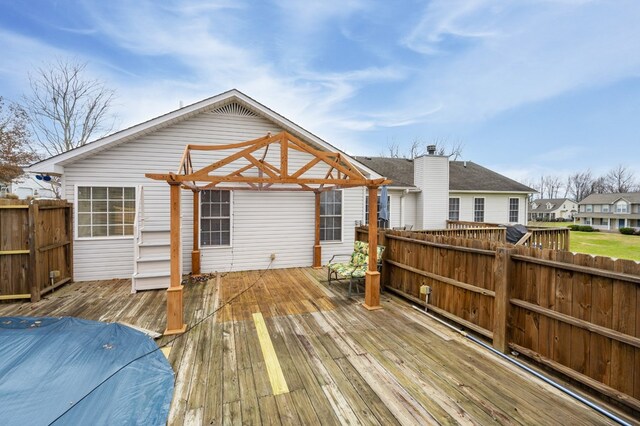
{"x": 342, "y": 364}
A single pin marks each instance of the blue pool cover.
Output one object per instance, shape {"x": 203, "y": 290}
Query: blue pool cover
{"x": 49, "y": 364}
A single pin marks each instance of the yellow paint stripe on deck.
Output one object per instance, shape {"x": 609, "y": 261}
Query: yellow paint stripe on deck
{"x": 166, "y": 351}
{"x": 278, "y": 383}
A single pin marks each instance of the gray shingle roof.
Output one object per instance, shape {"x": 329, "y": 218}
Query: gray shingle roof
{"x": 556, "y": 203}
{"x": 632, "y": 197}
{"x": 469, "y": 176}
{"x": 399, "y": 170}
{"x": 463, "y": 176}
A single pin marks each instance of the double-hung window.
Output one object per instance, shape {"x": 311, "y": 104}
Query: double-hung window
{"x": 105, "y": 211}
{"x": 215, "y": 218}
{"x": 381, "y": 223}
{"x": 454, "y": 208}
{"x": 514, "y": 209}
{"x": 478, "y": 209}
{"x": 331, "y": 215}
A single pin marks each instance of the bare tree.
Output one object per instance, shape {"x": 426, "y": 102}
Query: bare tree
{"x": 392, "y": 151}
{"x": 599, "y": 186}
{"x": 452, "y": 150}
{"x": 620, "y": 179}
{"x": 416, "y": 149}
{"x": 580, "y": 185}
{"x": 66, "y": 108}
{"x": 15, "y": 151}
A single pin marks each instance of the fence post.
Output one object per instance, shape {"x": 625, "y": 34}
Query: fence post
{"x": 70, "y": 235}
{"x": 501, "y": 305}
{"x": 34, "y": 258}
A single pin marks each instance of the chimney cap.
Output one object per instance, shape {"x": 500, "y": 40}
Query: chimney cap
{"x": 431, "y": 149}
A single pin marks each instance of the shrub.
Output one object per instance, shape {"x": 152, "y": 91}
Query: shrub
{"x": 627, "y": 231}
{"x": 582, "y": 228}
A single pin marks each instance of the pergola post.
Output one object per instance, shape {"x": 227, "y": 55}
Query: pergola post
{"x": 175, "y": 317}
{"x": 317, "y": 248}
{"x": 372, "y": 276}
{"x": 195, "y": 252}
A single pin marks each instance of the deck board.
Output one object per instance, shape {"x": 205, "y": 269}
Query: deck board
{"x": 342, "y": 364}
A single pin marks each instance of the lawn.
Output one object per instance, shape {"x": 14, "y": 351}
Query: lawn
{"x": 601, "y": 243}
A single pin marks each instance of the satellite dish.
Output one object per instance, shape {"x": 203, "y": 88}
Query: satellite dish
{"x": 47, "y": 178}
{"x": 39, "y": 177}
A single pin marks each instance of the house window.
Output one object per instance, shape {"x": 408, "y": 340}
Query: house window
{"x": 589, "y": 208}
{"x": 105, "y": 211}
{"x": 605, "y": 208}
{"x": 621, "y": 207}
{"x": 478, "y": 209}
{"x": 215, "y": 218}
{"x": 514, "y": 209}
{"x": 331, "y": 215}
{"x": 454, "y": 208}
{"x": 381, "y": 223}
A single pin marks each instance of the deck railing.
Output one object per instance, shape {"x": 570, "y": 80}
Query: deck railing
{"x": 574, "y": 313}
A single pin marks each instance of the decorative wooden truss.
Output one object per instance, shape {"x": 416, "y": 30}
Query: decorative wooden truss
{"x": 263, "y": 164}
{"x": 258, "y": 173}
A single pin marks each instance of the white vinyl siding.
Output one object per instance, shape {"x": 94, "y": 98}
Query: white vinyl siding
{"x": 261, "y": 222}
{"x": 496, "y": 206}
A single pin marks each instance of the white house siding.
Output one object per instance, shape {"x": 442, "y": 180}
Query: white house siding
{"x": 431, "y": 175}
{"x": 263, "y": 223}
{"x": 410, "y": 209}
{"x": 496, "y": 206}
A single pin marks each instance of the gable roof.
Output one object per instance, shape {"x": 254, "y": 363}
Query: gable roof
{"x": 463, "y": 175}
{"x": 246, "y": 105}
{"x": 399, "y": 170}
{"x": 632, "y": 197}
{"x": 541, "y": 204}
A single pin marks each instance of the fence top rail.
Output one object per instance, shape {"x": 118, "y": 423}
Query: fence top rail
{"x": 578, "y": 268}
{"x": 485, "y": 252}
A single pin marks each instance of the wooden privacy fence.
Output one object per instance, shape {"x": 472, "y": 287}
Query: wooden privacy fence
{"x": 36, "y": 247}
{"x": 575, "y": 313}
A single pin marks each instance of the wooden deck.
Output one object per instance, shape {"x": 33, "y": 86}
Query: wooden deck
{"x": 339, "y": 363}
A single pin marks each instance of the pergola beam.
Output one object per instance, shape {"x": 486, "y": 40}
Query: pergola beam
{"x": 276, "y": 179}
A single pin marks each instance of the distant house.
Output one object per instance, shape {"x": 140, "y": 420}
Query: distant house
{"x": 430, "y": 190}
{"x": 548, "y": 209}
{"x": 610, "y": 211}
{"x": 30, "y": 185}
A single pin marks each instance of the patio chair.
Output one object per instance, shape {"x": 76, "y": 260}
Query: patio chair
{"x": 355, "y": 268}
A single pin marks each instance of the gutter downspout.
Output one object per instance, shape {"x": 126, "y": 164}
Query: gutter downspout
{"x": 528, "y": 369}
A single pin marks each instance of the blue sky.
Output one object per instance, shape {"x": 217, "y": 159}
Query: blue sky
{"x": 529, "y": 87}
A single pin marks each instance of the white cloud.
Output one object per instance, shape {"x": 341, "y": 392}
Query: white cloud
{"x": 492, "y": 57}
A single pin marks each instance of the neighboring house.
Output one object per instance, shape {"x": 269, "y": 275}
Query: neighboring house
{"x": 239, "y": 230}
{"x": 31, "y": 185}
{"x": 610, "y": 211}
{"x": 429, "y": 190}
{"x": 548, "y": 209}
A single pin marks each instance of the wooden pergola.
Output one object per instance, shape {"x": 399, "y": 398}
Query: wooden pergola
{"x": 263, "y": 165}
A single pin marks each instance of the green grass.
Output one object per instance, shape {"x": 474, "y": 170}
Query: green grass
{"x": 609, "y": 244}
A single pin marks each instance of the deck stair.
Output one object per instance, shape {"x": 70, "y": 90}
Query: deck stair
{"x": 152, "y": 261}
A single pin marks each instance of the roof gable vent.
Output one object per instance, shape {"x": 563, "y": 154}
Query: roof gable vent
{"x": 234, "y": 108}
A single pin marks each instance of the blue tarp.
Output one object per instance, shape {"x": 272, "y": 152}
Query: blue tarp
{"x": 48, "y": 364}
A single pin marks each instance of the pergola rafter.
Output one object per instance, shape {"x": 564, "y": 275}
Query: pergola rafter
{"x": 258, "y": 171}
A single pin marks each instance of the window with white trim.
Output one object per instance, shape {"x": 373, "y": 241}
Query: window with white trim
{"x": 514, "y": 209}
{"x": 454, "y": 208}
{"x": 105, "y": 211}
{"x": 215, "y": 218}
{"x": 381, "y": 223}
{"x": 478, "y": 209}
{"x": 331, "y": 215}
